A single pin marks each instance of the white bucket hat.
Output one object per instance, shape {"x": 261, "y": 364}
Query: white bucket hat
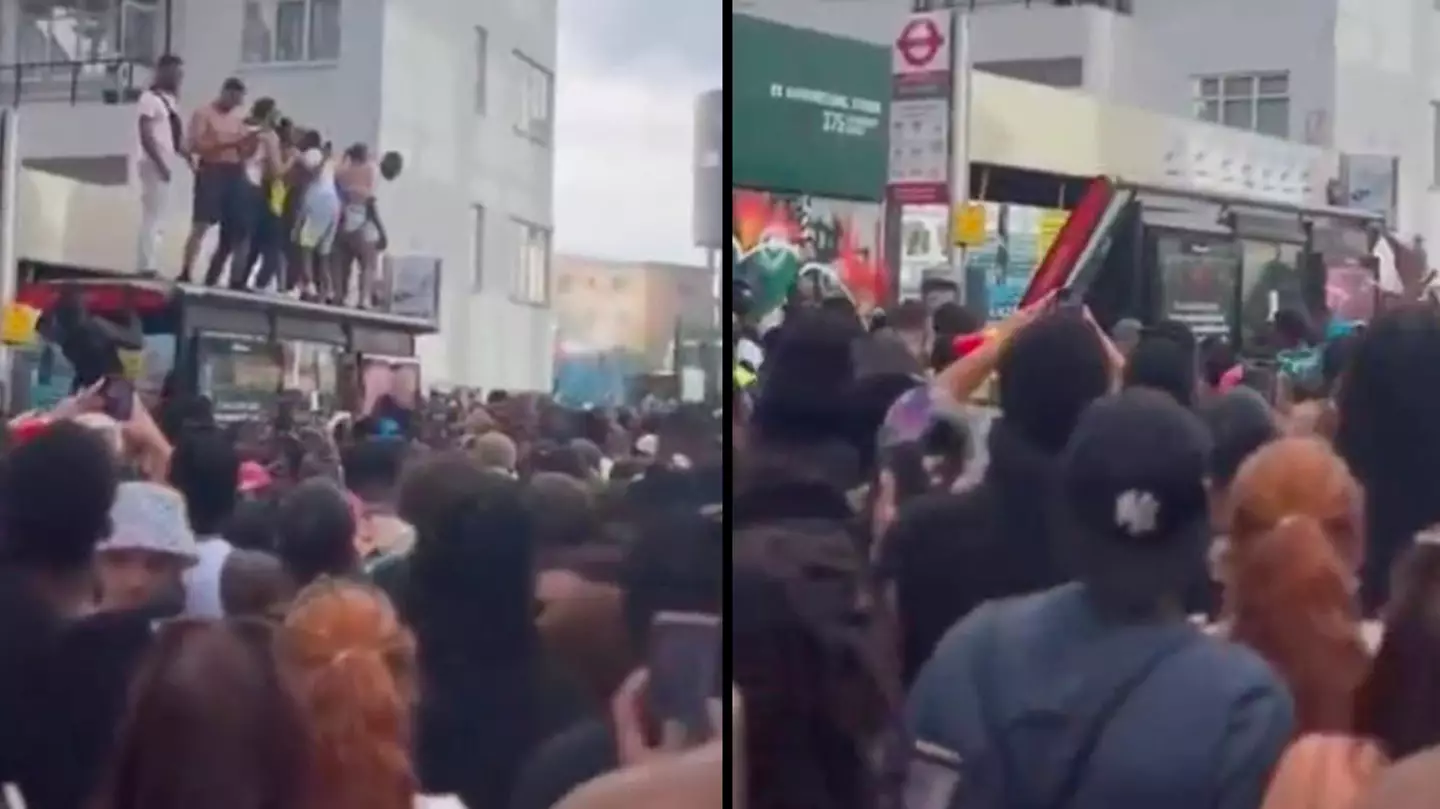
{"x": 150, "y": 517}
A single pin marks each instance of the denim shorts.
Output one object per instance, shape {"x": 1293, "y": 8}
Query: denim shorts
{"x": 318, "y": 222}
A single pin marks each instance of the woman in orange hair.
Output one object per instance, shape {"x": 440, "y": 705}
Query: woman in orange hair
{"x": 354, "y": 663}
{"x": 1291, "y": 577}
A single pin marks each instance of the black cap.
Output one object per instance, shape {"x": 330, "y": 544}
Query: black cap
{"x": 1134, "y": 484}
{"x": 233, "y": 85}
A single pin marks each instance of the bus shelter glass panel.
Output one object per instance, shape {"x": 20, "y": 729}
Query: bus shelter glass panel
{"x": 43, "y": 376}
{"x": 1351, "y": 280}
{"x": 1198, "y": 278}
{"x": 242, "y": 375}
{"x": 1271, "y": 280}
{"x": 311, "y": 373}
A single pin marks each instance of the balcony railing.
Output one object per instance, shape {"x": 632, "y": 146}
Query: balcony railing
{"x": 105, "y": 81}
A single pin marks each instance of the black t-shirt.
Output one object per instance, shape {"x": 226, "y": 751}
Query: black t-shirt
{"x": 29, "y": 630}
{"x": 579, "y": 754}
{"x": 83, "y": 700}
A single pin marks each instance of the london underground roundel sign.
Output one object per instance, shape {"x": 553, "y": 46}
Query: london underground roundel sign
{"x": 922, "y": 46}
{"x": 920, "y": 41}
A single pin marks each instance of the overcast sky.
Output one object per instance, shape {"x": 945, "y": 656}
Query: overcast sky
{"x": 628, "y": 75}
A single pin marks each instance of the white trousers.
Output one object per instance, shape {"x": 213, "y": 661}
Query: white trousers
{"x": 154, "y": 203}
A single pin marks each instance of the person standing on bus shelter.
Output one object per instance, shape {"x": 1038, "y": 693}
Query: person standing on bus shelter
{"x": 220, "y": 141}
{"x": 160, "y": 155}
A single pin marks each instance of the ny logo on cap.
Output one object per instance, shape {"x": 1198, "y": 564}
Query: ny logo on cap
{"x": 1137, "y": 512}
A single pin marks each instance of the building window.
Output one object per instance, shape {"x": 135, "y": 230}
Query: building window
{"x": 1259, "y": 102}
{"x": 104, "y": 31}
{"x": 285, "y": 31}
{"x": 140, "y": 34}
{"x": 324, "y": 33}
{"x": 482, "y": 69}
{"x": 531, "y": 281}
{"x": 477, "y": 247}
{"x": 535, "y": 88}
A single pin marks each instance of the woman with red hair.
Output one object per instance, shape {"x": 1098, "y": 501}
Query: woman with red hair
{"x": 1296, "y": 546}
{"x": 354, "y": 663}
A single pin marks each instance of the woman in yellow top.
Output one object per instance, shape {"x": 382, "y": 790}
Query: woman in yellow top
{"x": 267, "y": 243}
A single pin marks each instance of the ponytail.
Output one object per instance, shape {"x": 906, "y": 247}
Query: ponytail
{"x": 369, "y": 734}
{"x": 1294, "y": 603}
{"x": 353, "y": 665}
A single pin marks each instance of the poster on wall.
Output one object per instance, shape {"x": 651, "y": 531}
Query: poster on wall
{"x": 778, "y": 238}
{"x": 1017, "y": 237}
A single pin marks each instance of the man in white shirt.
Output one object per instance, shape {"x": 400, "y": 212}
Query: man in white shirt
{"x": 159, "y": 156}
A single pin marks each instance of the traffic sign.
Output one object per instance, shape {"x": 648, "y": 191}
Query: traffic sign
{"x": 923, "y": 44}
{"x": 920, "y": 110}
{"x": 17, "y": 324}
{"x": 969, "y": 225}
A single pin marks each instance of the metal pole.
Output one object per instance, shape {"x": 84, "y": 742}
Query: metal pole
{"x": 712, "y": 267}
{"x": 961, "y": 64}
{"x": 711, "y": 355}
{"x": 9, "y": 201}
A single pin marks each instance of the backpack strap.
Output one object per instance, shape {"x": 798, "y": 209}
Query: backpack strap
{"x": 989, "y": 786}
{"x": 1094, "y": 727}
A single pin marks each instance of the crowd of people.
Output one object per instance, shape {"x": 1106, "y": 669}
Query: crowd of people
{"x": 290, "y": 210}
{"x": 1155, "y": 572}
{"x": 366, "y": 613}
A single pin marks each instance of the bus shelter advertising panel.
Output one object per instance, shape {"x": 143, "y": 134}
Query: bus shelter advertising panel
{"x": 242, "y": 375}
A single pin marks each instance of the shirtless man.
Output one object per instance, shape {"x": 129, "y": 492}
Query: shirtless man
{"x": 220, "y": 141}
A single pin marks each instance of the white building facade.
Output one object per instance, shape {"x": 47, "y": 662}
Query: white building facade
{"x": 1359, "y": 77}
{"x": 463, "y": 90}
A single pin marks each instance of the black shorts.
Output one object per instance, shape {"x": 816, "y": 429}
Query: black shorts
{"x": 224, "y": 196}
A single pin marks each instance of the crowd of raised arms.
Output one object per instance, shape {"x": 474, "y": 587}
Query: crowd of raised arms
{"x": 1151, "y": 571}
{"x": 450, "y": 607}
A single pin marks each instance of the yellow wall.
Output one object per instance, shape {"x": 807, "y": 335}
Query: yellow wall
{"x": 1026, "y": 125}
